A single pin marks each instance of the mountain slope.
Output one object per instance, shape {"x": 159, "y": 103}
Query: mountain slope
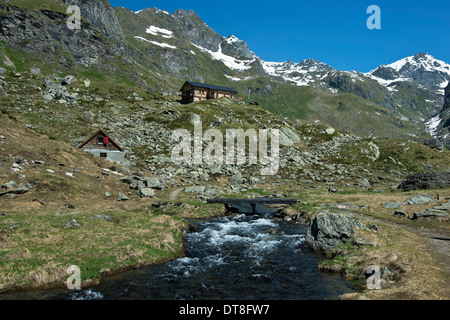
{"x": 158, "y": 51}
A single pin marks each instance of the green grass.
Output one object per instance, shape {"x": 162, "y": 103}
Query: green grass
{"x": 138, "y": 238}
{"x": 52, "y": 5}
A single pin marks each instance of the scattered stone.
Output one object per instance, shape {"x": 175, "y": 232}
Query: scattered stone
{"x": 431, "y": 213}
{"x": 108, "y": 194}
{"x": 288, "y": 137}
{"x": 21, "y": 189}
{"x": 444, "y": 206}
{"x": 418, "y": 199}
{"x": 87, "y": 83}
{"x": 400, "y": 213}
{"x": 35, "y": 71}
{"x": 373, "y": 152}
{"x": 363, "y": 242}
{"x": 146, "y": 193}
{"x": 9, "y": 185}
{"x": 69, "y": 205}
{"x": 236, "y": 178}
{"x": 195, "y": 189}
{"x": 71, "y": 224}
{"x": 40, "y": 201}
{"x": 154, "y": 183}
{"x": 122, "y": 197}
{"x": 9, "y": 228}
{"x": 330, "y": 130}
{"x": 68, "y": 80}
{"x": 15, "y": 167}
{"x": 392, "y": 205}
{"x": 364, "y": 183}
{"x": 2, "y": 70}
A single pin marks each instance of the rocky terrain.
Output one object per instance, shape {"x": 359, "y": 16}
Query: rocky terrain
{"x": 351, "y": 144}
{"x": 158, "y": 50}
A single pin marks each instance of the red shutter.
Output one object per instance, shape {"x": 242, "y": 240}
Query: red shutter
{"x": 105, "y": 140}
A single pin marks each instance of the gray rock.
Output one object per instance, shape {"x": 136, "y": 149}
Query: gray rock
{"x": 71, "y": 224}
{"x": 392, "y": 205}
{"x": 372, "y": 152}
{"x": 2, "y": 70}
{"x": 400, "y": 213}
{"x": 237, "y": 178}
{"x": 146, "y": 193}
{"x": 16, "y": 167}
{"x": 444, "y": 206}
{"x": 35, "y": 71}
{"x": 9, "y": 185}
{"x": 122, "y": 197}
{"x": 195, "y": 189}
{"x": 363, "y": 183}
{"x": 330, "y": 130}
{"x": 418, "y": 199}
{"x": 329, "y": 230}
{"x": 68, "y": 80}
{"x": 21, "y": 189}
{"x": 431, "y": 213}
{"x": 154, "y": 183}
{"x": 427, "y": 180}
{"x": 108, "y": 194}
{"x": 288, "y": 137}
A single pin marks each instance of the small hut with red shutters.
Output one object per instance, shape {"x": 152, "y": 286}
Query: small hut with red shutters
{"x": 100, "y": 144}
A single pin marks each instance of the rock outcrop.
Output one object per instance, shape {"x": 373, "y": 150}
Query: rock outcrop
{"x": 427, "y": 180}
{"x": 329, "y": 230}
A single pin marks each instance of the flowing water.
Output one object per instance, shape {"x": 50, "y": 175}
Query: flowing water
{"x": 242, "y": 257}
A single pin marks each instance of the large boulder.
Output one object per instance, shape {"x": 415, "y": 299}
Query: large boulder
{"x": 427, "y": 180}
{"x": 329, "y": 230}
{"x": 288, "y": 137}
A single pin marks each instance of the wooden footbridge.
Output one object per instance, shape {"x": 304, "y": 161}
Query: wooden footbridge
{"x": 253, "y": 201}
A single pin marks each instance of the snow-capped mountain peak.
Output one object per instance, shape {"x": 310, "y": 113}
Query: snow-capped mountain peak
{"x": 422, "y": 68}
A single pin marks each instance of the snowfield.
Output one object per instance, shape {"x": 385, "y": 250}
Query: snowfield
{"x": 159, "y": 32}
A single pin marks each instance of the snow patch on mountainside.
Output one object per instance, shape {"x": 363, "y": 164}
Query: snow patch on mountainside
{"x": 229, "y": 61}
{"x": 432, "y": 124}
{"x": 159, "y": 32}
{"x": 163, "y": 45}
{"x": 389, "y": 84}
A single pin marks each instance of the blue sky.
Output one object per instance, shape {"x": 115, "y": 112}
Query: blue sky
{"x": 333, "y": 32}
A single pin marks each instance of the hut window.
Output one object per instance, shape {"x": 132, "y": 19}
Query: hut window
{"x": 100, "y": 140}
{"x": 103, "y": 155}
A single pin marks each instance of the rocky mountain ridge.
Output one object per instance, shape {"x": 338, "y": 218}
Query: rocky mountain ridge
{"x": 159, "y": 51}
